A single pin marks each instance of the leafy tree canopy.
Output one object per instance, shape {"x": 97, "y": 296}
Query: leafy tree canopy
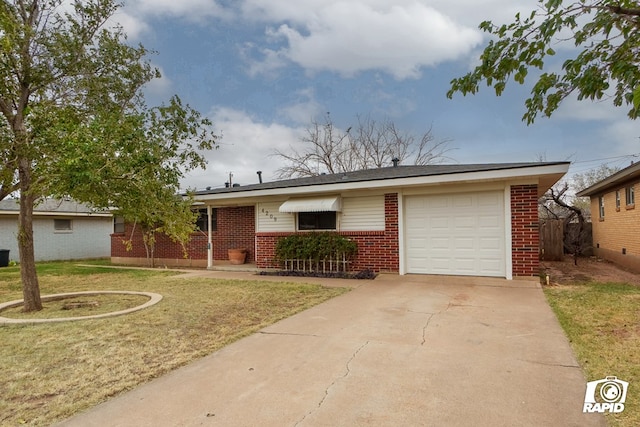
{"x": 606, "y": 42}
{"x": 74, "y": 121}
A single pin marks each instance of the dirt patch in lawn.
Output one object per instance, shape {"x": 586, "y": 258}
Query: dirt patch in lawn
{"x": 590, "y": 269}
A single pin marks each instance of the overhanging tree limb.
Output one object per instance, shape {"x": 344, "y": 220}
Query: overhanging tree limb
{"x": 600, "y": 40}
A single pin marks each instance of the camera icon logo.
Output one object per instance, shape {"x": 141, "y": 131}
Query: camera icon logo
{"x": 606, "y": 395}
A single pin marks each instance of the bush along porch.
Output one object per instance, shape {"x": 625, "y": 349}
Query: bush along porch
{"x": 323, "y": 252}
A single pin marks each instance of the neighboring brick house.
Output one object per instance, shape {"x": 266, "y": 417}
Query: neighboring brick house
{"x": 62, "y": 230}
{"x": 479, "y": 220}
{"x": 615, "y": 218}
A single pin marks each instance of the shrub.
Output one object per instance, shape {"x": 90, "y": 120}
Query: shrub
{"x": 315, "y": 246}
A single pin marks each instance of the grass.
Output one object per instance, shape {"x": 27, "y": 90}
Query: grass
{"x": 602, "y": 321}
{"x": 51, "y": 371}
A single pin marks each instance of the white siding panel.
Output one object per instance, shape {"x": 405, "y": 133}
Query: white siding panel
{"x": 362, "y": 213}
{"x": 269, "y": 219}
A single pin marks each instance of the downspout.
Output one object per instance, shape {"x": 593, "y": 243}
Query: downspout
{"x": 209, "y": 239}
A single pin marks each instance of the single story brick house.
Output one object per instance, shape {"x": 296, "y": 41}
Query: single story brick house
{"x": 614, "y": 217}
{"x": 62, "y": 230}
{"x": 473, "y": 219}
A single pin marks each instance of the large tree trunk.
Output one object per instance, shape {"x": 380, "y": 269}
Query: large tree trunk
{"x": 30, "y": 285}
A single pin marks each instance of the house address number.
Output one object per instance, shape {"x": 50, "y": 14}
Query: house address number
{"x": 270, "y": 215}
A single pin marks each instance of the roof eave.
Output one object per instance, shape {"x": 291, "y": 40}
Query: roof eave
{"x": 546, "y": 174}
{"x": 614, "y": 180}
{"x": 60, "y": 214}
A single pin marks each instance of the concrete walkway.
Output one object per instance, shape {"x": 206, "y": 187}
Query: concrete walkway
{"x": 397, "y": 351}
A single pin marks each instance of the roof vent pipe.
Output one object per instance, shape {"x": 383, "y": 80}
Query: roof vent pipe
{"x": 395, "y": 161}
{"x": 259, "y": 176}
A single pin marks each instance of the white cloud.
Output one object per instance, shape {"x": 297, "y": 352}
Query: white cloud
{"x": 160, "y": 87}
{"x": 195, "y": 10}
{"x": 303, "y": 111}
{"x": 246, "y": 147}
{"x": 269, "y": 63}
{"x": 133, "y": 27}
{"x": 472, "y": 12}
{"x": 135, "y": 14}
{"x": 467, "y": 12}
{"x": 349, "y": 37}
{"x": 586, "y": 110}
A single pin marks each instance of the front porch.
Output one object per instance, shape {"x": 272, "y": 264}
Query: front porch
{"x": 219, "y": 265}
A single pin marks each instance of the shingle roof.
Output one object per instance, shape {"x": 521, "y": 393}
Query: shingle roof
{"x": 50, "y": 205}
{"x": 617, "y": 179}
{"x": 378, "y": 174}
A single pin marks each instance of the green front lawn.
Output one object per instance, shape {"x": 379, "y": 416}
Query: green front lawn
{"x": 51, "y": 371}
{"x": 602, "y": 321}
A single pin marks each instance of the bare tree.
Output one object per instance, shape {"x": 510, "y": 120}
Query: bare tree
{"x": 560, "y": 202}
{"x": 555, "y": 205}
{"x": 367, "y": 145}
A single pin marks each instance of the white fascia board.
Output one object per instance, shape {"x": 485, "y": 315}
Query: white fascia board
{"x": 62, "y": 214}
{"x": 466, "y": 177}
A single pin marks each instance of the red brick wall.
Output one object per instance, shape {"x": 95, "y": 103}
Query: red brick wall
{"x": 525, "y": 237}
{"x": 236, "y": 229}
{"x": 377, "y": 250}
{"x": 165, "y": 248}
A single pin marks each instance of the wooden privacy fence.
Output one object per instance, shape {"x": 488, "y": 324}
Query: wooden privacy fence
{"x": 558, "y": 238}
{"x": 552, "y": 240}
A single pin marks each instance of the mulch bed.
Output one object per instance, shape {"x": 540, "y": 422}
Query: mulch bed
{"x": 361, "y": 275}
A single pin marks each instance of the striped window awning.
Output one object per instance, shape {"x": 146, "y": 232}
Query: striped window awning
{"x": 312, "y": 204}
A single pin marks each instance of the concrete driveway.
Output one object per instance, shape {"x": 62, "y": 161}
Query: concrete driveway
{"x": 397, "y": 351}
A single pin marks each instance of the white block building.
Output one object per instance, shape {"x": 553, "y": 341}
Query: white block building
{"x": 63, "y": 230}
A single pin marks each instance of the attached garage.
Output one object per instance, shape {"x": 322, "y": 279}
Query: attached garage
{"x": 456, "y": 234}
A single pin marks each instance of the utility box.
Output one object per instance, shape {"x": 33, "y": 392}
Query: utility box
{"x": 4, "y": 257}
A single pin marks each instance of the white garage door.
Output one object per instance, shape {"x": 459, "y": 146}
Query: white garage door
{"x": 457, "y": 234}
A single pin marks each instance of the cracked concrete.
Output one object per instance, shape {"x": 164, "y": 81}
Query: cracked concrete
{"x": 326, "y": 392}
{"x": 424, "y": 330}
{"x": 393, "y": 351}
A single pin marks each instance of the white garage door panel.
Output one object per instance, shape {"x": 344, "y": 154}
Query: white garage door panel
{"x": 490, "y": 244}
{"x": 458, "y": 234}
{"x": 437, "y": 223}
{"x": 464, "y": 244}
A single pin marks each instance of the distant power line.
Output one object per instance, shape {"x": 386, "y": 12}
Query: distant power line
{"x": 617, "y": 161}
{"x": 626, "y": 156}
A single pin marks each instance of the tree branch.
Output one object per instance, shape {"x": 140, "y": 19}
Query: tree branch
{"x": 619, "y": 10}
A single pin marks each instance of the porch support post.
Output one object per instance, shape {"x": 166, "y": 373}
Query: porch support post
{"x": 209, "y": 239}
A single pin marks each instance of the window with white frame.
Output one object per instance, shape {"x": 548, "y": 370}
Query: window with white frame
{"x": 617, "y": 200}
{"x": 62, "y": 225}
{"x": 630, "y": 195}
{"x": 601, "y": 206}
{"x": 317, "y": 220}
{"x": 314, "y": 213}
{"x": 118, "y": 224}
